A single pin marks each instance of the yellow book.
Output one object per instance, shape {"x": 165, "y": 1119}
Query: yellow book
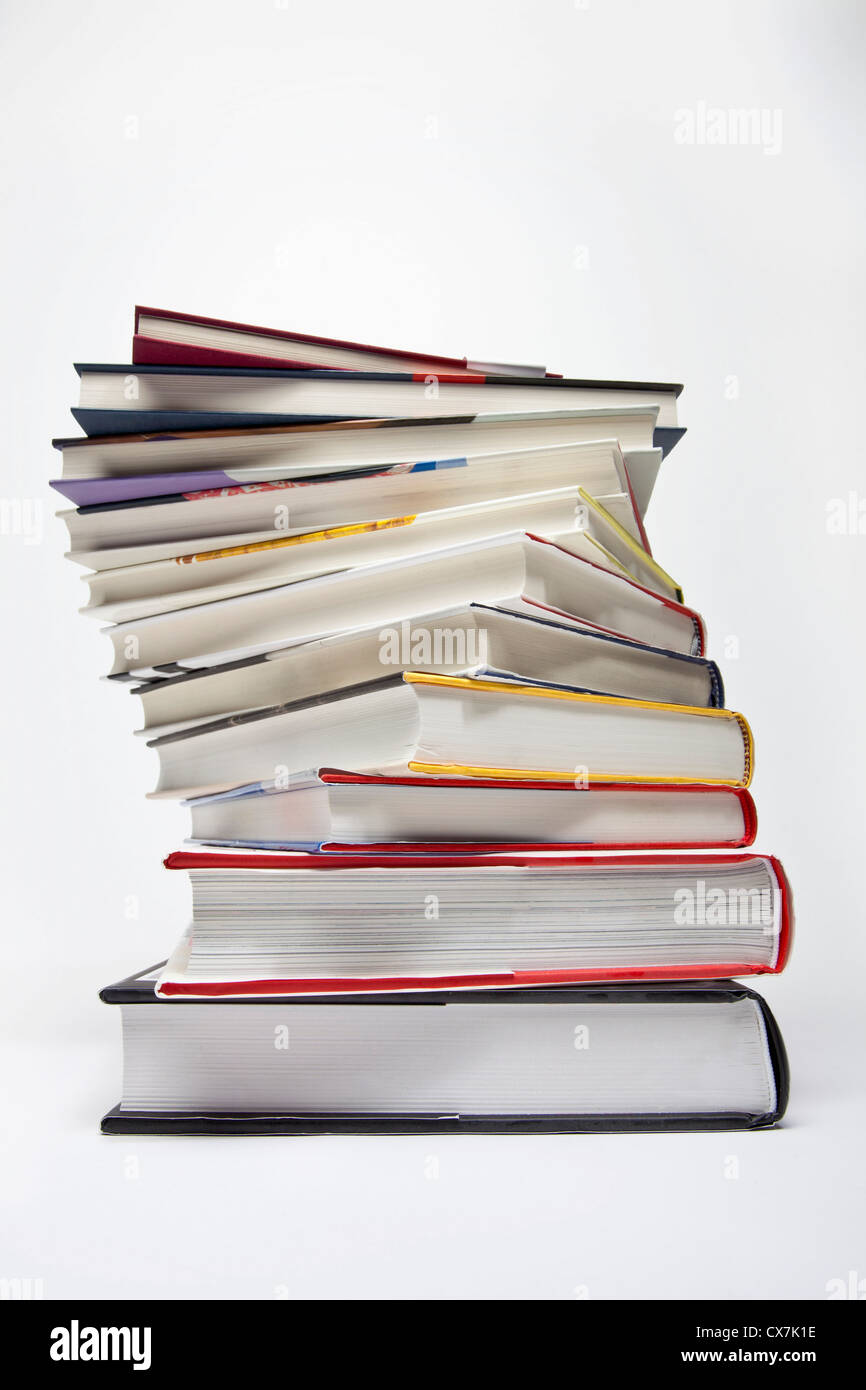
{"x": 643, "y": 562}
{"x": 330, "y": 533}
{"x": 482, "y": 688}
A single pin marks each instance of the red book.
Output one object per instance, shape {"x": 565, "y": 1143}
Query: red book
{"x": 268, "y": 925}
{"x": 166, "y": 338}
{"x": 346, "y": 812}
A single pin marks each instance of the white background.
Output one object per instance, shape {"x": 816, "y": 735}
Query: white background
{"x": 501, "y": 180}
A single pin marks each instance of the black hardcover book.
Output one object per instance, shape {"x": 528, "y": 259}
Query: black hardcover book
{"x": 670, "y": 1057}
{"x": 97, "y": 423}
{"x": 120, "y": 398}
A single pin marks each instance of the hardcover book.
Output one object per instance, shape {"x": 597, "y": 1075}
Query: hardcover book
{"x": 703, "y": 1056}
{"x": 163, "y": 336}
{"x": 274, "y": 925}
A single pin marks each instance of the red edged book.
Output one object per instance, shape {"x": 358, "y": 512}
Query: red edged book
{"x": 339, "y": 811}
{"x": 278, "y": 925}
{"x": 165, "y": 337}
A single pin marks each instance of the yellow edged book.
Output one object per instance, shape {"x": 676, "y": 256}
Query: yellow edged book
{"x": 504, "y": 729}
{"x": 617, "y": 549}
{"x": 451, "y": 726}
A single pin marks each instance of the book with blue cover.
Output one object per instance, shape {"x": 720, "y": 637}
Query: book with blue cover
{"x": 125, "y": 398}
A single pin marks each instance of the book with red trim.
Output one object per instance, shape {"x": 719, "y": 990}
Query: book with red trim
{"x": 166, "y": 337}
{"x": 343, "y": 812}
{"x": 516, "y": 566}
{"x": 269, "y": 925}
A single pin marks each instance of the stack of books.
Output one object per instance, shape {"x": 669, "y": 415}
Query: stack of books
{"x": 470, "y": 827}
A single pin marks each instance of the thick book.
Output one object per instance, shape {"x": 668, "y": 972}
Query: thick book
{"x": 494, "y": 642}
{"x": 117, "y": 398}
{"x": 266, "y": 924}
{"x": 461, "y": 726}
{"x": 142, "y": 590}
{"x": 102, "y": 426}
{"x": 166, "y": 337}
{"x": 703, "y": 1056}
{"x": 124, "y": 387}
{"x": 118, "y": 467}
{"x": 342, "y": 812}
{"x": 247, "y": 564}
{"x": 168, "y": 525}
{"x": 508, "y": 567}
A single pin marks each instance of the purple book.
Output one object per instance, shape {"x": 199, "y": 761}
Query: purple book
{"x": 94, "y": 492}
{"x": 89, "y": 492}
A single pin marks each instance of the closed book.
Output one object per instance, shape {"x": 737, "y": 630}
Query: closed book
{"x": 343, "y": 812}
{"x": 463, "y": 726}
{"x": 703, "y": 1056}
{"x": 274, "y": 925}
{"x": 186, "y": 459}
{"x": 522, "y": 643}
{"x": 118, "y": 398}
{"x": 510, "y": 567}
{"x": 164, "y": 336}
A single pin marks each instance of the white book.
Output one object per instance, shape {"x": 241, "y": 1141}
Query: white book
{"x": 619, "y": 505}
{"x": 507, "y": 567}
{"x": 342, "y": 812}
{"x": 290, "y": 508}
{"x": 527, "y": 645}
{"x": 352, "y": 396}
{"x": 269, "y": 923}
{"x": 293, "y": 451}
{"x": 141, "y": 591}
{"x": 566, "y": 516}
{"x": 459, "y": 726}
{"x": 677, "y": 1057}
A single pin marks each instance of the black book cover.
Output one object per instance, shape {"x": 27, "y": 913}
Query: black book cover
{"x": 139, "y": 989}
{"x": 98, "y": 422}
